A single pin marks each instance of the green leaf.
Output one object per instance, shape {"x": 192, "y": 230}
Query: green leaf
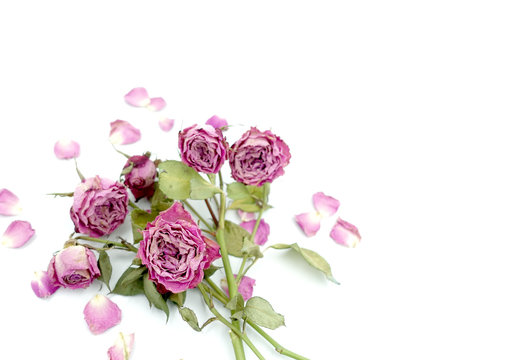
{"x": 189, "y": 316}
{"x": 234, "y": 237}
{"x": 250, "y": 249}
{"x": 248, "y": 198}
{"x": 237, "y": 191}
{"x": 153, "y": 296}
{"x": 130, "y": 282}
{"x": 211, "y": 271}
{"x": 174, "y": 179}
{"x": 261, "y": 312}
{"x": 245, "y": 204}
{"x": 160, "y": 201}
{"x": 139, "y": 219}
{"x": 105, "y": 268}
{"x": 201, "y": 189}
{"x": 236, "y": 303}
{"x": 178, "y": 298}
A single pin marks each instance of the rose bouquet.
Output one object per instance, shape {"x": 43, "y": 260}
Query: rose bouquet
{"x": 174, "y": 247}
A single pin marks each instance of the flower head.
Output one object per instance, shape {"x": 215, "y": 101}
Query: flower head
{"x": 74, "y": 267}
{"x": 140, "y": 176}
{"x": 203, "y": 148}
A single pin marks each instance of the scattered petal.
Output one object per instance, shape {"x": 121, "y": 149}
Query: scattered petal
{"x": 342, "y": 230}
{"x": 9, "y": 203}
{"x": 166, "y": 124}
{"x": 156, "y": 104}
{"x": 137, "y": 97}
{"x": 262, "y": 232}
{"x": 217, "y": 122}
{"x": 246, "y": 216}
{"x": 17, "y": 234}
{"x": 245, "y": 288}
{"x": 123, "y": 133}
{"x": 67, "y": 149}
{"x": 122, "y": 348}
{"x": 42, "y": 284}
{"x": 309, "y": 223}
{"x": 101, "y": 314}
{"x": 325, "y": 205}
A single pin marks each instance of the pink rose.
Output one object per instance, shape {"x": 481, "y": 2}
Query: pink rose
{"x": 99, "y": 206}
{"x": 258, "y": 157}
{"x": 203, "y": 149}
{"x": 74, "y": 267}
{"x": 141, "y": 178}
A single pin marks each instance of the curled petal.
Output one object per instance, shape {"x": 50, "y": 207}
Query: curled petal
{"x": 42, "y": 284}
{"x": 345, "y": 233}
{"x": 122, "y": 348}
{"x": 166, "y": 124}
{"x": 325, "y": 205}
{"x": 9, "y": 203}
{"x": 156, "y": 104}
{"x": 262, "y": 233}
{"x": 101, "y": 314}
{"x": 217, "y": 122}
{"x": 137, "y": 97}
{"x": 123, "y": 133}
{"x": 17, "y": 234}
{"x": 66, "y": 149}
{"x": 309, "y": 223}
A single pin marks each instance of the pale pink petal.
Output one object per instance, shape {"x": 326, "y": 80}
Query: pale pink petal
{"x": 246, "y": 216}
{"x": 137, "y": 97}
{"x": 17, "y": 234}
{"x": 309, "y": 223}
{"x": 245, "y": 288}
{"x": 122, "y": 348}
{"x": 262, "y": 232}
{"x": 217, "y": 122}
{"x": 156, "y": 104}
{"x": 42, "y": 285}
{"x": 166, "y": 124}
{"x": 67, "y": 149}
{"x": 325, "y": 205}
{"x": 9, "y": 203}
{"x": 344, "y": 232}
{"x": 101, "y": 314}
{"x": 123, "y": 133}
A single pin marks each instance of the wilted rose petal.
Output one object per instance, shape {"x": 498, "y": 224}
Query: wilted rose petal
{"x": 122, "y": 348}
{"x": 325, "y": 205}
{"x": 9, "y": 203}
{"x": 66, "y": 149}
{"x": 137, "y": 97}
{"x": 342, "y": 231}
{"x": 245, "y": 288}
{"x": 309, "y": 223}
{"x": 262, "y": 233}
{"x": 156, "y": 104}
{"x": 123, "y": 133}
{"x": 217, "y": 122}
{"x": 101, "y": 314}
{"x": 246, "y": 216}
{"x": 42, "y": 285}
{"x": 166, "y": 124}
{"x": 17, "y": 234}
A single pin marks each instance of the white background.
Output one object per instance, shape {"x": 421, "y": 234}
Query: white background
{"x": 409, "y": 112}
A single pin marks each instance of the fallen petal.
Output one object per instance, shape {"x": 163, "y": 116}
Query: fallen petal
{"x": 42, "y": 285}
{"x": 342, "y": 232}
{"x": 156, "y": 104}
{"x": 137, "y": 97}
{"x": 17, "y": 234}
{"x": 166, "y": 124}
{"x": 122, "y": 348}
{"x": 325, "y": 205}
{"x": 9, "y": 203}
{"x": 123, "y": 133}
{"x": 67, "y": 149}
{"x": 246, "y": 287}
{"x": 246, "y": 216}
{"x": 309, "y": 223}
{"x": 262, "y": 233}
{"x": 101, "y": 314}
{"x": 217, "y": 122}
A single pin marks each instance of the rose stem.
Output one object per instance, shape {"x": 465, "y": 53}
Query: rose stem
{"x": 211, "y": 212}
{"x": 133, "y": 205}
{"x": 198, "y": 215}
{"x": 241, "y": 272}
{"x": 107, "y": 242}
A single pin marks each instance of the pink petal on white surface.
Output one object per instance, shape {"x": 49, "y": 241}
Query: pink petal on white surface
{"x": 166, "y": 124}
{"x": 9, "y": 203}
{"x": 324, "y": 204}
{"x": 17, "y": 234}
{"x": 156, "y": 104}
{"x": 67, "y": 149}
{"x": 217, "y": 122}
{"x": 309, "y": 223}
{"x": 137, "y": 97}
{"x": 123, "y": 133}
{"x": 42, "y": 285}
{"x": 262, "y": 232}
{"x": 345, "y": 233}
{"x": 246, "y": 216}
{"x": 122, "y": 348}
{"x": 246, "y": 287}
{"x": 101, "y": 314}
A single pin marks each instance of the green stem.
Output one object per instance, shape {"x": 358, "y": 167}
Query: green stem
{"x": 187, "y": 204}
{"x": 123, "y": 244}
{"x": 242, "y": 270}
{"x": 82, "y": 178}
{"x": 133, "y": 205}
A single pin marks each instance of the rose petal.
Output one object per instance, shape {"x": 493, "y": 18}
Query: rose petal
{"x": 101, "y": 314}
{"x": 17, "y": 234}
{"x": 156, "y": 104}
{"x": 245, "y": 288}
{"x": 137, "y": 97}
{"x": 309, "y": 223}
{"x": 325, "y": 205}
{"x": 9, "y": 203}
{"x": 42, "y": 285}
{"x": 246, "y": 216}
{"x": 122, "y": 348}
{"x": 217, "y": 122}
{"x": 342, "y": 230}
{"x": 166, "y": 124}
{"x": 262, "y": 233}
{"x": 66, "y": 149}
{"x": 123, "y": 133}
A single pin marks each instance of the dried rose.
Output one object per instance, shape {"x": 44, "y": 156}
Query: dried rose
{"x": 140, "y": 176}
{"x": 203, "y": 149}
{"x": 74, "y": 267}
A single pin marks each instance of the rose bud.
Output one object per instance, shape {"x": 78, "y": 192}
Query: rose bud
{"x": 99, "y": 206}
{"x": 203, "y": 149}
{"x": 139, "y": 176}
{"x": 258, "y": 157}
{"x": 74, "y": 267}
